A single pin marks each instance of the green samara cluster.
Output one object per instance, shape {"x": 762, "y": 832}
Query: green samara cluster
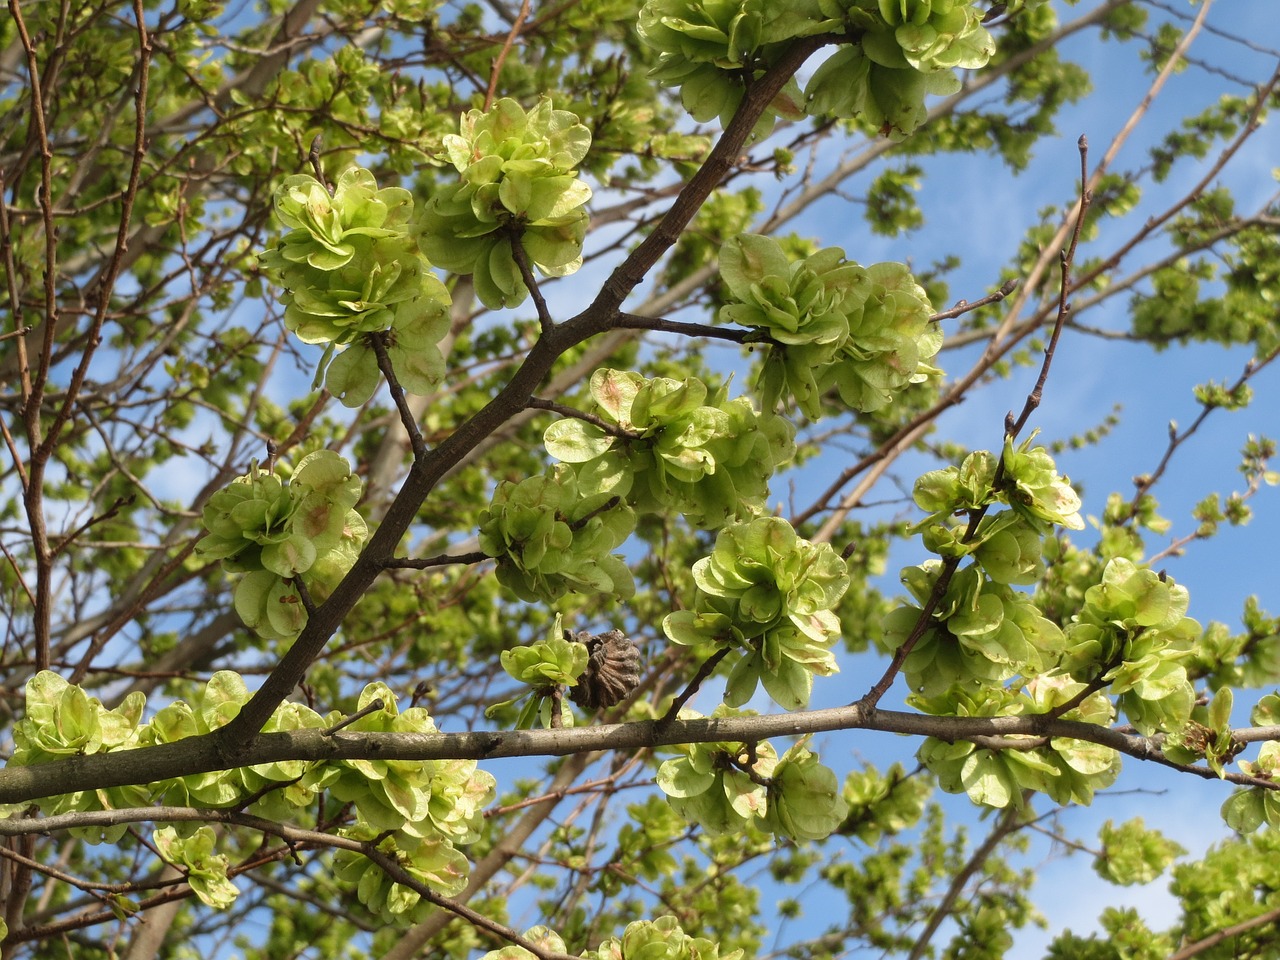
{"x": 707, "y": 46}
{"x": 1067, "y": 771}
{"x": 674, "y": 446}
{"x": 770, "y": 596}
{"x": 985, "y": 632}
{"x": 892, "y": 53}
{"x": 835, "y": 328}
{"x": 351, "y": 270}
{"x": 556, "y": 661}
{"x": 517, "y": 183}
{"x": 1246, "y": 810}
{"x": 982, "y": 630}
{"x": 415, "y": 811}
{"x": 1131, "y": 633}
{"x": 987, "y": 649}
{"x": 549, "y": 537}
{"x": 280, "y": 528}
{"x": 660, "y": 939}
{"x": 728, "y": 787}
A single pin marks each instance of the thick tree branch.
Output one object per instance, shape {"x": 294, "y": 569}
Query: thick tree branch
{"x": 19, "y": 784}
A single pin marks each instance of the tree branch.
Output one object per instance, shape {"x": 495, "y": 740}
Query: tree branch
{"x": 20, "y": 784}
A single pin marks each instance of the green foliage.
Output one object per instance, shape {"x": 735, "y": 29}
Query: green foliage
{"x": 661, "y": 939}
{"x": 929, "y": 35}
{"x": 1232, "y": 886}
{"x": 281, "y": 530}
{"x": 883, "y": 805}
{"x": 551, "y": 537}
{"x": 541, "y": 936}
{"x": 665, "y": 444}
{"x": 61, "y": 720}
{"x": 555, "y": 662}
{"x": 415, "y": 811}
{"x": 980, "y": 632}
{"x": 891, "y": 201}
{"x": 1133, "y": 854}
{"x": 351, "y": 271}
{"x": 895, "y": 54}
{"x": 727, "y": 788}
{"x": 720, "y": 786}
{"x": 904, "y": 50}
{"x": 833, "y": 326}
{"x": 1125, "y": 937}
{"x": 1025, "y": 478}
{"x": 205, "y": 870}
{"x": 1247, "y": 810}
{"x": 518, "y": 184}
{"x": 805, "y": 802}
{"x": 1068, "y": 771}
{"x": 1177, "y": 307}
{"x": 1131, "y": 634}
{"x": 768, "y": 595}
{"x": 549, "y": 662}
{"x": 149, "y": 350}
{"x": 710, "y": 48}
{"x": 431, "y": 862}
{"x": 1207, "y": 736}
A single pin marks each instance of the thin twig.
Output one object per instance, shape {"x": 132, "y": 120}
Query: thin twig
{"x": 748, "y": 766}
{"x": 1177, "y": 438}
{"x": 537, "y": 403}
{"x": 1066, "y": 259}
{"x": 94, "y": 889}
{"x": 557, "y": 707}
{"x": 1207, "y": 943}
{"x": 526, "y": 272}
{"x": 478, "y": 920}
{"x": 373, "y": 706}
{"x": 1009, "y": 821}
{"x": 378, "y": 341}
{"x": 308, "y": 604}
{"x": 69, "y": 538}
{"x": 950, "y": 564}
{"x": 691, "y": 688}
{"x": 128, "y": 611}
{"x": 314, "y": 156}
{"x": 496, "y": 70}
{"x": 964, "y": 306}
{"x": 1031, "y": 282}
{"x": 586, "y": 518}
{"x": 630, "y": 321}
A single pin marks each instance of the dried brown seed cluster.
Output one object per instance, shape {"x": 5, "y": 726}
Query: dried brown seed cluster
{"x": 613, "y": 669}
